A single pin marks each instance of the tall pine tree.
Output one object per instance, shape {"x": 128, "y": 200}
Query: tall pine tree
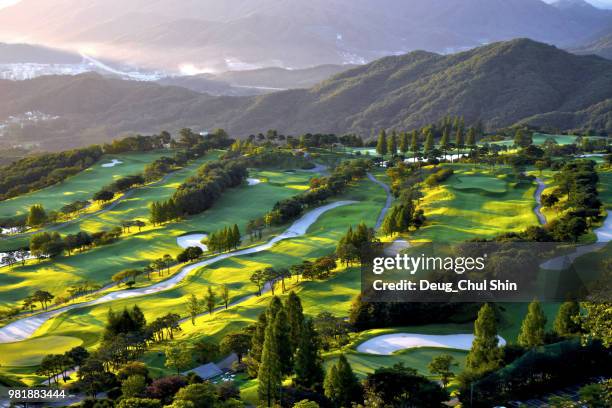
{"x": 429, "y": 141}
{"x": 485, "y": 353}
{"x": 295, "y": 318}
{"x": 392, "y": 143}
{"x": 533, "y": 328}
{"x": 381, "y": 146}
{"x": 308, "y": 363}
{"x": 270, "y": 375}
{"x": 404, "y": 143}
{"x": 341, "y": 385}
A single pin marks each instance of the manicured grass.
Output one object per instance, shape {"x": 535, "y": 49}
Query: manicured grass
{"x": 483, "y": 183}
{"x": 30, "y": 352}
{"x": 456, "y": 214}
{"x": 235, "y": 272}
{"x": 139, "y": 248}
{"x": 540, "y": 138}
{"x": 81, "y": 186}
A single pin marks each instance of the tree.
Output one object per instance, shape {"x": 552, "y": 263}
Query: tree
{"x": 441, "y": 365}
{"x": 392, "y": 143}
{"x": 295, "y": 318}
{"x": 381, "y": 145}
{"x": 415, "y": 146}
{"x": 470, "y": 140}
{"x": 238, "y": 343}
{"x": 459, "y": 142}
{"x": 133, "y": 386}
{"x": 341, "y": 385}
{"x": 210, "y": 300}
{"x": 225, "y": 295}
{"x": 200, "y": 395}
{"x": 308, "y": 363}
{"x": 533, "y": 332}
{"x": 193, "y": 307}
{"x": 404, "y": 143}
{"x": 444, "y": 141}
{"x": 521, "y": 139}
{"x": 566, "y": 322}
{"x": 258, "y": 278}
{"x": 485, "y": 353}
{"x": 103, "y": 195}
{"x": 36, "y": 216}
{"x": 177, "y": 357}
{"x": 270, "y": 374}
{"x": 429, "y": 141}
{"x": 306, "y": 404}
{"x": 43, "y": 297}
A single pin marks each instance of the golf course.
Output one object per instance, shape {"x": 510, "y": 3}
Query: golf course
{"x": 200, "y": 290}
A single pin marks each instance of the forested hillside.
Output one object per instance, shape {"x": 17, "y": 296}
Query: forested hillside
{"x": 502, "y": 84}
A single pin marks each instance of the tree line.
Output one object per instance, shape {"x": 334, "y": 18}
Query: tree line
{"x": 199, "y": 192}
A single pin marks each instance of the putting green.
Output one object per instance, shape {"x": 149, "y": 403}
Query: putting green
{"x": 455, "y": 215}
{"x": 81, "y": 186}
{"x": 483, "y": 183}
{"x": 30, "y": 352}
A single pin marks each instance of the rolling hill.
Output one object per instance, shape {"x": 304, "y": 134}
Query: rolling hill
{"x": 502, "y": 84}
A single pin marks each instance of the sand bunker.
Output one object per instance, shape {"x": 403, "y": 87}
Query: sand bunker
{"x": 113, "y": 163}
{"x": 390, "y": 343}
{"x": 253, "y": 181}
{"x": 192, "y": 240}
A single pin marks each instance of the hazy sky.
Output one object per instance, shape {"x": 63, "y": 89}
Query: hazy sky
{"x": 598, "y": 3}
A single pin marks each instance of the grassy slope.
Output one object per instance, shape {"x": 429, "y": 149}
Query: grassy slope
{"x": 81, "y": 186}
{"x": 455, "y": 213}
{"x": 135, "y": 250}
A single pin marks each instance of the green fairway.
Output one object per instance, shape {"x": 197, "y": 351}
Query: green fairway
{"x": 456, "y": 213}
{"x": 30, "y": 352}
{"x": 137, "y": 249}
{"x": 482, "y": 183}
{"x": 81, "y": 186}
{"x": 235, "y": 272}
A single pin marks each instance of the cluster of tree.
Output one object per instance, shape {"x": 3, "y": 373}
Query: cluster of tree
{"x": 404, "y": 215}
{"x": 320, "y": 268}
{"x": 333, "y": 331}
{"x": 208, "y": 302}
{"x": 198, "y": 193}
{"x": 270, "y": 276}
{"x": 10, "y": 258}
{"x": 120, "y": 185}
{"x": 306, "y": 140}
{"x": 138, "y": 143}
{"x": 192, "y": 145}
{"x": 284, "y": 343}
{"x": 164, "y": 327}
{"x": 189, "y": 254}
{"x": 223, "y": 240}
{"x": 321, "y": 190}
{"x": 424, "y": 139}
{"x": 439, "y": 176}
{"x": 51, "y": 245}
{"x": 36, "y": 172}
{"x": 74, "y": 207}
{"x": 365, "y": 315}
{"x": 40, "y": 296}
{"x": 253, "y": 155}
{"x": 56, "y": 366}
{"x": 127, "y": 276}
{"x": 353, "y": 244}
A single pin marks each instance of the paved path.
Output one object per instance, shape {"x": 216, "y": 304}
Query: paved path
{"x": 538, "y": 197}
{"x": 24, "y": 328}
{"x": 383, "y": 212}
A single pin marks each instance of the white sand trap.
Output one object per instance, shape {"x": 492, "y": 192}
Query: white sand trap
{"x": 390, "y": 343}
{"x": 253, "y": 181}
{"x": 24, "y": 328}
{"x": 192, "y": 240}
{"x": 113, "y": 163}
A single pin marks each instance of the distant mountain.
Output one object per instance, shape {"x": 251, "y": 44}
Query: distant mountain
{"x": 501, "y": 84}
{"x": 213, "y": 35}
{"x": 600, "y": 44}
{"x": 26, "y": 53}
{"x": 256, "y": 81}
